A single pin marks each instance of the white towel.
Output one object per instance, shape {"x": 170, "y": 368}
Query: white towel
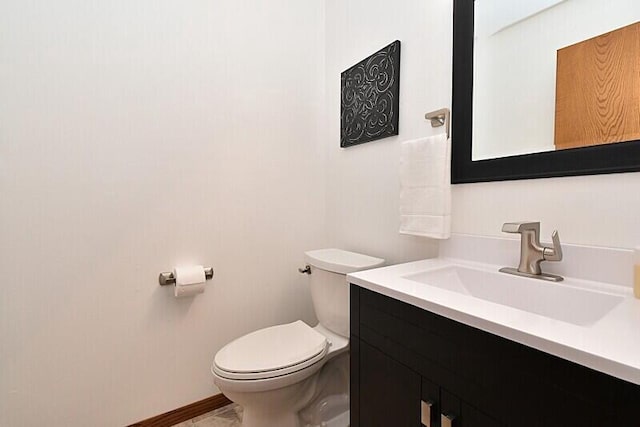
{"x": 425, "y": 187}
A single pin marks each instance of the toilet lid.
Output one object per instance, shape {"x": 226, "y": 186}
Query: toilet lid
{"x": 270, "y": 352}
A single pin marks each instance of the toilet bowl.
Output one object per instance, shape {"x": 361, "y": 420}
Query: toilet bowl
{"x": 279, "y": 372}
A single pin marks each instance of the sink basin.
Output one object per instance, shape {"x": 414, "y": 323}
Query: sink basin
{"x": 559, "y": 301}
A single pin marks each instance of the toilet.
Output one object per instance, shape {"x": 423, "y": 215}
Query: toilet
{"x": 295, "y": 375}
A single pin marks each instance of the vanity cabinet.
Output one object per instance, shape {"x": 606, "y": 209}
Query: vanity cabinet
{"x": 390, "y": 391}
{"x": 410, "y": 367}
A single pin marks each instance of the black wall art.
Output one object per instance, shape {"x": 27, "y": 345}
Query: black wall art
{"x": 369, "y": 97}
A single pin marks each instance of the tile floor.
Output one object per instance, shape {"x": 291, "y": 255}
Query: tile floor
{"x": 227, "y": 416}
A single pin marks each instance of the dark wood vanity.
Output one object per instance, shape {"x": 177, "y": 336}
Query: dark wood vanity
{"x": 410, "y": 367}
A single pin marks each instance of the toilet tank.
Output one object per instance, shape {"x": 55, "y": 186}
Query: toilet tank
{"x": 329, "y": 287}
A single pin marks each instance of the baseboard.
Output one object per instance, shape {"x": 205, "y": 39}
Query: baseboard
{"x": 185, "y": 413}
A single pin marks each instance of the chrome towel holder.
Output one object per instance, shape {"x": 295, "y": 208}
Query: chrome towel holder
{"x": 441, "y": 117}
{"x": 168, "y": 278}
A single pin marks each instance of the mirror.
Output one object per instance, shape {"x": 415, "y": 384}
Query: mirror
{"x": 505, "y": 78}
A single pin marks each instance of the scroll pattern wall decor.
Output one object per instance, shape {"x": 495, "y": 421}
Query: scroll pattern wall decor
{"x": 369, "y": 97}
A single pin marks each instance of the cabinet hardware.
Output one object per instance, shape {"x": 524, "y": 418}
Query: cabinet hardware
{"x": 425, "y": 412}
{"x": 448, "y": 420}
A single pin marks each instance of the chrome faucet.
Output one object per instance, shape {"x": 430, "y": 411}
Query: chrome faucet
{"x": 532, "y": 253}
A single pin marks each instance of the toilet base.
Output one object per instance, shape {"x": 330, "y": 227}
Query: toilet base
{"x": 317, "y": 399}
{"x": 277, "y": 407}
{"x": 330, "y": 411}
{"x": 330, "y": 406}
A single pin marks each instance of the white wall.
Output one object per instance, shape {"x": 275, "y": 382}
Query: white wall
{"x": 362, "y": 190}
{"x": 517, "y": 68}
{"x": 598, "y": 210}
{"x": 362, "y": 184}
{"x": 135, "y": 136}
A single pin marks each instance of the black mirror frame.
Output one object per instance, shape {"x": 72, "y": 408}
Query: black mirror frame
{"x": 599, "y": 159}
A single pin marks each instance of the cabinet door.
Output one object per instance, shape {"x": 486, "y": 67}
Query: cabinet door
{"x": 450, "y": 409}
{"x": 430, "y": 405}
{"x": 475, "y": 418}
{"x": 389, "y": 391}
{"x": 458, "y": 413}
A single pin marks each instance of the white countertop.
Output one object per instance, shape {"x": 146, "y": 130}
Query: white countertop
{"x": 610, "y": 345}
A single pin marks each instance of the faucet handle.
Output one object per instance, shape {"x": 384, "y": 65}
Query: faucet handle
{"x": 554, "y": 253}
{"x": 519, "y": 227}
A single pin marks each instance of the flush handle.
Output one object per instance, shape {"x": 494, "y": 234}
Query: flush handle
{"x": 305, "y": 270}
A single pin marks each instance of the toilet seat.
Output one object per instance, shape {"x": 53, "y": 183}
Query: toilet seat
{"x": 271, "y": 352}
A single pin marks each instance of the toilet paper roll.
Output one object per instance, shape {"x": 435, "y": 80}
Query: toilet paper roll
{"x": 190, "y": 280}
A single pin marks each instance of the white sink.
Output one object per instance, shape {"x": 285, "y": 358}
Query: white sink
{"x": 563, "y": 301}
{"x": 591, "y": 318}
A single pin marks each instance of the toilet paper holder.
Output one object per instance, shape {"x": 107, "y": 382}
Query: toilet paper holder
{"x": 168, "y": 278}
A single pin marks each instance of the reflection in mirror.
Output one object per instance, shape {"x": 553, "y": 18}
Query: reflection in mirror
{"x": 542, "y": 82}
{"x": 598, "y": 90}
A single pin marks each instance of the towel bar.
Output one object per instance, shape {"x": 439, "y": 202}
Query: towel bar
{"x": 441, "y": 117}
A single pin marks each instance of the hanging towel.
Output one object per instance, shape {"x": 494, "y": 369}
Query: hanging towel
{"x": 425, "y": 187}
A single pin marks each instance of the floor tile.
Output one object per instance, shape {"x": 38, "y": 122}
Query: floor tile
{"x": 217, "y": 422}
{"x": 227, "y": 416}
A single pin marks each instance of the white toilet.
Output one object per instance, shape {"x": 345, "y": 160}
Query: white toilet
{"x": 294, "y": 375}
